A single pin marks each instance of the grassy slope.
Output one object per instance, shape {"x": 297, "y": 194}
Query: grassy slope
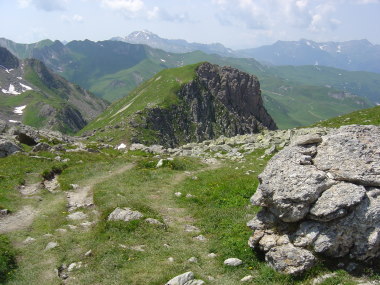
{"x": 369, "y": 116}
{"x": 158, "y": 91}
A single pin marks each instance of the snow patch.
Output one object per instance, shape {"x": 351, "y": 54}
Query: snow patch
{"x": 339, "y": 49}
{"x": 163, "y": 60}
{"x": 19, "y": 78}
{"x": 323, "y": 47}
{"x": 11, "y": 90}
{"x": 25, "y": 87}
{"x": 19, "y": 110}
{"x": 316, "y": 62}
{"x": 121, "y": 146}
{"x": 13, "y": 121}
{"x": 308, "y": 43}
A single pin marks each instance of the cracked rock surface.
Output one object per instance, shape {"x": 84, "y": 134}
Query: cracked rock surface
{"x": 320, "y": 195}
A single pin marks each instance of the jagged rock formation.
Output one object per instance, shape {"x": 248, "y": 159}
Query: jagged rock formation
{"x": 219, "y": 101}
{"x": 320, "y": 196}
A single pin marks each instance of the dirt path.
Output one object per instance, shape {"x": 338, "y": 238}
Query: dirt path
{"x": 18, "y": 221}
{"x": 83, "y": 196}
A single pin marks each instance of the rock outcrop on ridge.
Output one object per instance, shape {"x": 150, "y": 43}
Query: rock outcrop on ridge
{"x": 320, "y": 196}
{"x": 219, "y": 101}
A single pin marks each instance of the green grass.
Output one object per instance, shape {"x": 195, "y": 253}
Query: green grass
{"x": 7, "y": 258}
{"x": 369, "y": 116}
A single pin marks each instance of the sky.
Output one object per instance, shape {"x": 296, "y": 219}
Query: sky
{"x": 234, "y": 23}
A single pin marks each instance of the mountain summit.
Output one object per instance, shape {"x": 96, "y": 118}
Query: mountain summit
{"x": 177, "y": 46}
{"x": 187, "y": 104}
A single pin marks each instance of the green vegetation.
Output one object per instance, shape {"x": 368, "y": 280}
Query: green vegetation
{"x": 369, "y": 116}
{"x": 137, "y": 252}
{"x": 7, "y": 258}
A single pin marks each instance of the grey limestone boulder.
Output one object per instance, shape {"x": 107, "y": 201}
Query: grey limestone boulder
{"x": 320, "y": 195}
{"x": 125, "y": 214}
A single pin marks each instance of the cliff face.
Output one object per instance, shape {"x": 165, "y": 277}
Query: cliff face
{"x": 219, "y": 101}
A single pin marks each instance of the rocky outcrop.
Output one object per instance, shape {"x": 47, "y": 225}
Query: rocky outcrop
{"x": 219, "y": 101}
{"x": 7, "y": 59}
{"x": 320, "y": 195}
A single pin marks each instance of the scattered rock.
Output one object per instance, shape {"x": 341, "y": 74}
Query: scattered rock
{"x": 8, "y": 147}
{"x": 51, "y": 245}
{"x": 154, "y": 222}
{"x": 125, "y": 214}
{"x": 29, "y": 240}
{"x": 233, "y": 262}
{"x": 201, "y": 238}
{"x": 4, "y": 212}
{"x": 185, "y": 279}
{"x": 190, "y": 229}
{"x": 74, "y": 265}
{"x": 77, "y": 216}
{"x": 88, "y": 253}
{"x": 189, "y": 196}
{"x": 41, "y": 147}
{"x": 247, "y": 278}
{"x": 61, "y": 231}
{"x": 160, "y": 163}
{"x": 171, "y": 259}
{"x": 178, "y": 194}
{"x": 193, "y": 259}
{"x": 138, "y": 247}
{"x": 212, "y": 255}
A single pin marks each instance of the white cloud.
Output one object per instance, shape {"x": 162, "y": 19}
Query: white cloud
{"x": 126, "y": 5}
{"x": 161, "y": 14}
{"x": 72, "y": 19}
{"x": 23, "y": 3}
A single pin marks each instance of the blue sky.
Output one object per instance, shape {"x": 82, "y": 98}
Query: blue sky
{"x": 234, "y": 23}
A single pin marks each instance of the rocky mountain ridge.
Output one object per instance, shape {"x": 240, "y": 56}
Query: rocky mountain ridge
{"x": 210, "y": 102}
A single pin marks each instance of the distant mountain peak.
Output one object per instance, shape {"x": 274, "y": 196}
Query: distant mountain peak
{"x": 173, "y": 45}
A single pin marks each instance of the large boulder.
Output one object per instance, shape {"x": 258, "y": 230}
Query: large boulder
{"x": 8, "y": 147}
{"x": 320, "y": 195}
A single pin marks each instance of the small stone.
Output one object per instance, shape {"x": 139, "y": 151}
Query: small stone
{"x": 125, "y": 214}
{"x": 201, "y": 238}
{"x": 47, "y": 235}
{"x": 72, "y": 227}
{"x": 321, "y": 279}
{"x": 189, "y": 196}
{"x": 212, "y": 255}
{"x": 154, "y": 222}
{"x": 181, "y": 279}
{"x": 166, "y": 245}
{"x": 77, "y": 216}
{"x": 171, "y": 259}
{"x": 247, "y": 278}
{"x": 29, "y": 240}
{"x": 61, "y": 230}
{"x": 194, "y": 178}
{"x": 233, "y": 262}
{"x": 193, "y": 260}
{"x": 74, "y": 265}
{"x": 211, "y": 278}
{"x": 178, "y": 194}
{"x": 74, "y": 186}
{"x": 190, "y": 228}
{"x": 4, "y": 212}
{"x": 160, "y": 163}
{"x": 88, "y": 253}
{"x": 86, "y": 224}
{"x": 51, "y": 245}
{"x": 140, "y": 248}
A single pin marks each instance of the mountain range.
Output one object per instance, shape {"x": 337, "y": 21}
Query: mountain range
{"x": 293, "y": 95}
{"x": 355, "y": 55}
